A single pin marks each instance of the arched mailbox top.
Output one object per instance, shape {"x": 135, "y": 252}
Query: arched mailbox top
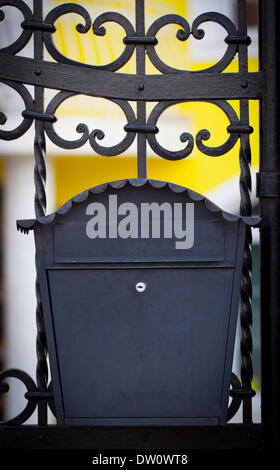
{"x": 25, "y": 225}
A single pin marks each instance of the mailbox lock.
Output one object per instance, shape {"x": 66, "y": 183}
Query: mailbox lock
{"x": 141, "y": 287}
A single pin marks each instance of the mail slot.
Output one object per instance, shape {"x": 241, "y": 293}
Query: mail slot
{"x": 140, "y": 284}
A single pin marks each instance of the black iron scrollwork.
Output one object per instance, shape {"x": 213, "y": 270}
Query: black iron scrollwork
{"x": 32, "y": 395}
{"x": 205, "y": 134}
{"x": 157, "y": 148}
{"x": 124, "y": 144}
{"x": 82, "y": 128}
{"x": 229, "y": 26}
{"x": 187, "y": 137}
{"x": 131, "y": 39}
{"x": 56, "y": 13}
{"x": 98, "y": 29}
{"x": 27, "y": 122}
{"x": 184, "y": 34}
{"x": 53, "y": 136}
{"x": 30, "y": 386}
{"x": 150, "y": 129}
{"x": 25, "y": 36}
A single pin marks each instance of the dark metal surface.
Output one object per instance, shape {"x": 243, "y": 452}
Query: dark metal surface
{"x": 246, "y": 317}
{"x": 268, "y": 184}
{"x": 40, "y": 204}
{"x": 270, "y": 230}
{"x": 166, "y": 89}
{"x": 94, "y": 82}
{"x": 232, "y": 436}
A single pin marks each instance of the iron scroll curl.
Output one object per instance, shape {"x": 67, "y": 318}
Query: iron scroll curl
{"x": 33, "y": 395}
{"x": 150, "y": 41}
{"x": 197, "y": 33}
{"x": 97, "y": 28}
{"x": 52, "y": 17}
{"x": 30, "y": 385}
{"x": 82, "y": 128}
{"x": 26, "y": 34}
{"x": 26, "y": 122}
{"x": 202, "y": 135}
{"x": 131, "y": 128}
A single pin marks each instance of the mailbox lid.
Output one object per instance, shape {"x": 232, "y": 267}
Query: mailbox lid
{"x": 125, "y": 356}
{"x": 106, "y": 224}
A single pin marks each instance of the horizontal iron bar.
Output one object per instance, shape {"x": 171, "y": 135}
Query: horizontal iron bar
{"x": 142, "y": 128}
{"x": 149, "y": 40}
{"x": 39, "y": 395}
{"x": 238, "y": 39}
{"x": 242, "y": 393}
{"x": 240, "y": 129}
{"x": 32, "y": 25}
{"x": 102, "y": 83}
{"x": 40, "y": 116}
{"x": 268, "y": 184}
{"x": 229, "y": 436}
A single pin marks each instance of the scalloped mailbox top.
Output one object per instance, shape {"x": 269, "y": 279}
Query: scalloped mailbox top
{"x": 24, "y": 225}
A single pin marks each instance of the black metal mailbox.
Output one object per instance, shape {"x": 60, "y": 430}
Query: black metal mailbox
{"x": 140, "y": 285}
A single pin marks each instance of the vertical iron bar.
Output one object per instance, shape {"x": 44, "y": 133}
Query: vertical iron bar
{"x": 40, "y": 209}
{"x": 269, "y": 16}
{"x": 141, "y": 105}
{"x": 246, "y": 343}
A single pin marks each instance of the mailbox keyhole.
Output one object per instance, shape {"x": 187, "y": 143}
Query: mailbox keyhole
{"x": 141, "y": 287}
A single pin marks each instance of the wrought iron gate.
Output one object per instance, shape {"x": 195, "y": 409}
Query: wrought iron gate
{"x": 169, "y": 87}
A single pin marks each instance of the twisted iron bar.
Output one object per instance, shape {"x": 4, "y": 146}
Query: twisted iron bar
{"x": 245, "y": 184}
{"x": 40, "y": 202}
{"x": 40, "y": 210}
{"x": 246, "y": 318}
